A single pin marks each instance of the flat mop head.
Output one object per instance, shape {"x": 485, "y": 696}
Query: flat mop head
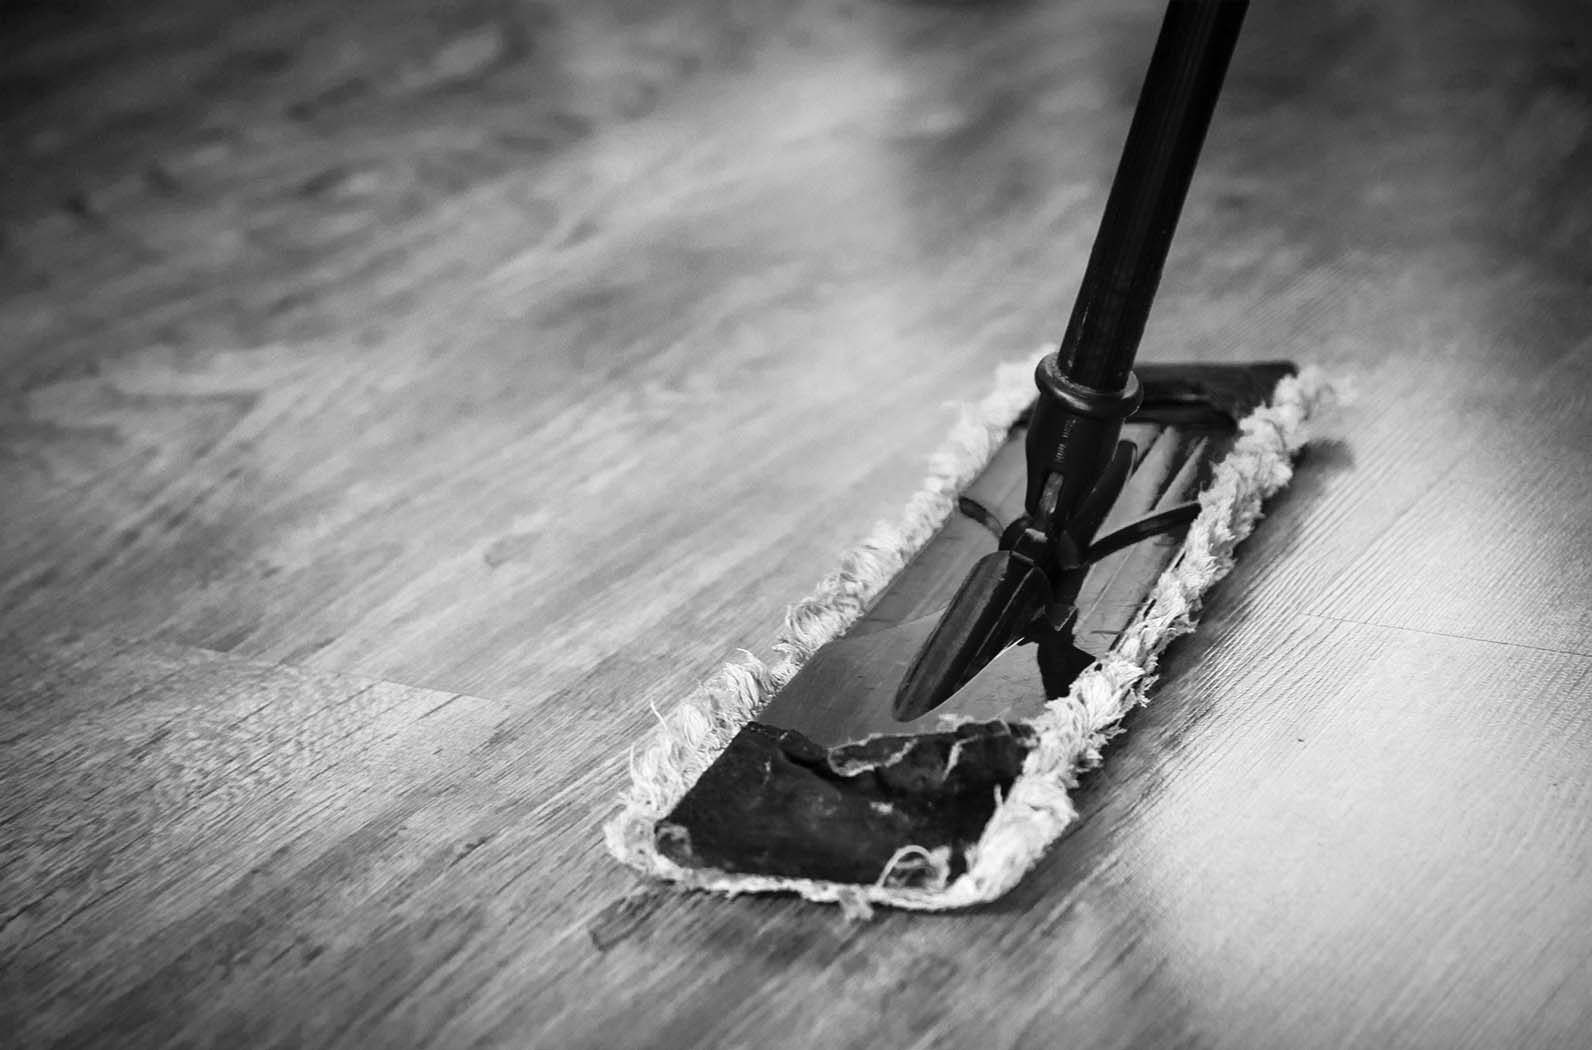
{"x": 795, "y": 775}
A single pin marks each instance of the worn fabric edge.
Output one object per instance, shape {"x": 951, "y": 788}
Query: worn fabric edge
{"x": 1071, "y": 731}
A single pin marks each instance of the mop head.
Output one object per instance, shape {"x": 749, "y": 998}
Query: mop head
{"x": 1069, "y": 733}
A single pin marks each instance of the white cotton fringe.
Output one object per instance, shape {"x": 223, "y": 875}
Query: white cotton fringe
{"x": 1072, "y": 729}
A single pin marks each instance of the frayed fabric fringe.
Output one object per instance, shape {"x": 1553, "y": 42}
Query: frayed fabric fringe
{"x": 1071, "y": 731}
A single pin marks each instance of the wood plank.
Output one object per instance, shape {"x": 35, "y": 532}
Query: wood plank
{"x": 182, "y": 796}
{"x": 1502, "y": 560}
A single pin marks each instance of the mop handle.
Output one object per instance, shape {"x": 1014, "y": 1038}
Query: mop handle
{"x": 1087, "y": 388}
{"x": 1076, "y": 466}
{"x": 1175, "y": 105}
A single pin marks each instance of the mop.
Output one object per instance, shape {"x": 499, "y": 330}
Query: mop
{"x": 915, "y": 735}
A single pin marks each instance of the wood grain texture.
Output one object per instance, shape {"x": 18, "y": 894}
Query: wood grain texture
{"x": 397, "y": 402}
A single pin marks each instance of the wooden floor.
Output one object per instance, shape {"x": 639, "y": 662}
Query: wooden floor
{"x": 398, "y": 402}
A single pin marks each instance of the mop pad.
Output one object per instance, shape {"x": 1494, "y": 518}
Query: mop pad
{"x": 1064, "y": 739}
